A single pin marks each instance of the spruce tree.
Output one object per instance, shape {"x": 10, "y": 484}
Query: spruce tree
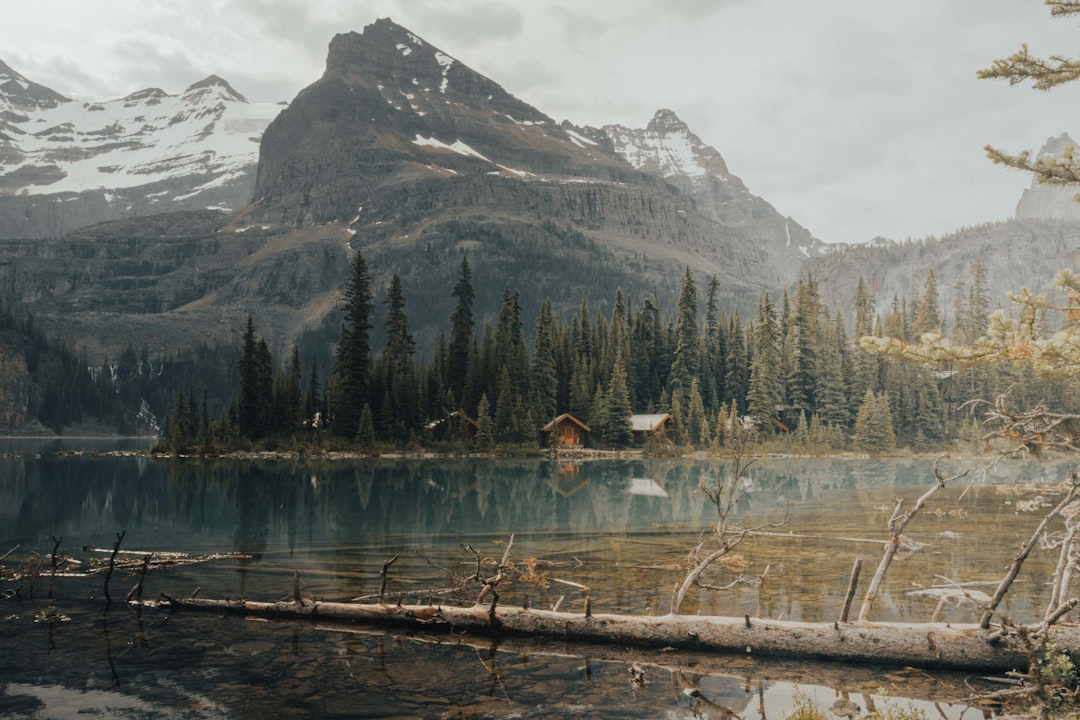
{"x": 461, "y": 337}
{"x": 543, "y": 381}
{"x": 352, "y": 364}
{"x": 617, "y": 429}
{"x": 485, "y": 426}
{"x": 764, "y": 395}
{"x": 687, "y": 361}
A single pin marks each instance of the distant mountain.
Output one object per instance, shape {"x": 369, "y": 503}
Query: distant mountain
{"x": 1050, "y": 202}
{"x": 667, "y": 148}
{"x": 1016, "y": 254}
{"x": 66, "y": 163}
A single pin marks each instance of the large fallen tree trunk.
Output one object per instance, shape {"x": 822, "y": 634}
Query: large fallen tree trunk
{"x": 928, "y": 645}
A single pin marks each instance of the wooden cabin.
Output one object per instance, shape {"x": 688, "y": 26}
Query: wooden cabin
{"x": 455, "y": 427}
{"x": 655, "y": 426}
{"x": 570, "y": 432}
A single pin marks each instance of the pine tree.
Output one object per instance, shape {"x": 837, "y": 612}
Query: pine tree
{"x": 874, "y": 425}
{"x": 485, "y": 426}
{"x": 544, "y": 382}
{"x": 697, "y": 423}
{"x": 927, "y": 314}
{"x": 256, "y": 385}
{"x": 687, "y": 361}
{"x": 617, "y": 430}
{"x": 352, "y": 364}
{"x": 462, "y": 333}
{"x": 365, "y": 429}
{"x": 764, "y": 396}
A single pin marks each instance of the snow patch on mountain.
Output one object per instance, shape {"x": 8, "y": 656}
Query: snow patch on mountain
{"x": 667, "y": 147}
{"x": 142, "y": 138}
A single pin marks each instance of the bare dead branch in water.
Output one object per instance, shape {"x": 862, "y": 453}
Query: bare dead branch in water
{"x": 724, "y": 494}
{"x": 897, "y": 523}
{"x": 382, "y": 575}
{"x": 1018, "y": 561}
{"x": 112, "y": 563}
{"x": 136, "y": 592}
{"x": 853, "y": 584}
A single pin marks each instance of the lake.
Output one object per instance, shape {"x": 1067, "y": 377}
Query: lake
{"x": 619, "y": 531}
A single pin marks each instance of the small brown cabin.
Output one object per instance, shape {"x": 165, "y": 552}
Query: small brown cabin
{"x": 569, "y": 430}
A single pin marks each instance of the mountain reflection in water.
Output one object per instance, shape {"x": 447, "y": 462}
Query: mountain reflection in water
{"x": 619, "y": 529}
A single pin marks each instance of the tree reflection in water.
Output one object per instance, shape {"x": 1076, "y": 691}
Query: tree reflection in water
{"x": 620, "y": 528}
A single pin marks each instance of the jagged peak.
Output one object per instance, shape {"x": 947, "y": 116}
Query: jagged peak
{"x": 666, "y": 122}
{"x": 1055, "y": 146}
{"x": 388, "y": 58}
{"x": 215, "y": 82}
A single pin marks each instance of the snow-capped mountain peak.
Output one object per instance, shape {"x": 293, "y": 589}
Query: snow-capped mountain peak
{"x": 667, "y": 147}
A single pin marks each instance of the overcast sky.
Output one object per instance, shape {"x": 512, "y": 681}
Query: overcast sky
{"x": 855, "y": 117}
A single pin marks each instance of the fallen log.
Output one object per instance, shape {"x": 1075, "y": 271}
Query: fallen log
{"x": 927, "y": 645}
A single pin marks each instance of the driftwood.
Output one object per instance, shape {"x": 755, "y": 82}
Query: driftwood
{"x": 929, "y": 645}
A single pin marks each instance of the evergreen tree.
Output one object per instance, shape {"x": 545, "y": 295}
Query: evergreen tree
{"x": 764, "y": 397}
{"x": 697, "y": 424}
{"x": 256, "y": 385}
{"x": 365, "y": 429}
{"x": 617, "y": 430}
{"x": 687, "y": 360}
{"x": 544, "y": 382}
{"x": 874, "y": 425}
{"x": 927, "y": 314}
{"x": 352, "y": 365}
{"x": 803, "y": 350}
{"x": 462, "y": 333}
{"x": 714, "y": 360}
{"x": 485, "y": 426}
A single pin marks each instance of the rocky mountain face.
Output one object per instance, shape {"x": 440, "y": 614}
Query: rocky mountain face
{"x": 398, "y": 150}
{"x": 1050, "y": 202}
{"x": 667, "y": 148}
{"x": 66, "y": 164}
{"x": 1016, "y": 254}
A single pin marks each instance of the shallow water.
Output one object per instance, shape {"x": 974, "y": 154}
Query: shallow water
{"x": 620, "y": 529}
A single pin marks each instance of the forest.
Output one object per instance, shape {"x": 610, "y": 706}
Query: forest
{"x": 795, "y": 372}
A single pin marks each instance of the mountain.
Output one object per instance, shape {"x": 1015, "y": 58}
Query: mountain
{"x": 65, "y": 163}
{"x": 667, "y": 148}
{"x": 398, "y": 150}
{"x": 1050, "y": 202}
{"x": 1015, "y": 253}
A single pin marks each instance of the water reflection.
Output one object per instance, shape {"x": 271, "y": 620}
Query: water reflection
{"x": 620, "y": 529}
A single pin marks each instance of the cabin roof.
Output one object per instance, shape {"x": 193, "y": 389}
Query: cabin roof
{"x": 566, "y": 416}
{"x": 648, "y": 423}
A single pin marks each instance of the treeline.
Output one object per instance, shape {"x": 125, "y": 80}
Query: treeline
{"x": 793, "y": 372}
{"x": 46, "y": 382}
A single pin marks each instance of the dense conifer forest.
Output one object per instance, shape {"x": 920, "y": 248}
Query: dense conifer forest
{"x": 794, "y": 372}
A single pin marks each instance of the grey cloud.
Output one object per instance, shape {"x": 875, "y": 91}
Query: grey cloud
{"x": 476, "y": 22}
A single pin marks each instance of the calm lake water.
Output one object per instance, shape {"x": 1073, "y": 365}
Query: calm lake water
{"x": 621, "y": 529}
